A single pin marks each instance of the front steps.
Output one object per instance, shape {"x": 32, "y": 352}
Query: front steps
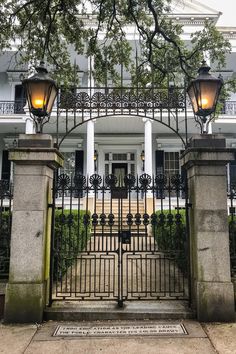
{"x": 109, "y": 310}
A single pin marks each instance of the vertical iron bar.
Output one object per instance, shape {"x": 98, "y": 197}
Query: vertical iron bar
{"x": 186, "y": 115}
{"x": 188, "y": 243}
{"x": 120, "y": 295}
{"x": 52, "y": 239}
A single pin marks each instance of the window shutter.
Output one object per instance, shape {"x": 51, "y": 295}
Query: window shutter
{"x": 20, "y": 99}
{"x": 6, "y": 165}
{"x": 159, "y": 162}
{"x": 232, "y": 173}
{"x": 160, "y": 193}
{"x": 79, "y": 162}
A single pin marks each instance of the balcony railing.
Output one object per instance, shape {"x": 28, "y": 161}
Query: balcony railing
{"x": 12, "y": 107}
{"x": 17, "y": 107}
{"x": 229, "y": 108}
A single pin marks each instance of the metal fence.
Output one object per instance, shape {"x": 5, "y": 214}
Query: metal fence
{"x": 120, "y": 239}
{"x": 232, "y": 228}
{"x": 6, "y": 196}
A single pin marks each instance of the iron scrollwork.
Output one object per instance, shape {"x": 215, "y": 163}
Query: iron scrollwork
{"x": 129, "y": 181}
{"x": 111, "y": 180}
{"x": 129, "y": 219}
{"x": 145, "y": 181}
{"x": 95, "y": 181}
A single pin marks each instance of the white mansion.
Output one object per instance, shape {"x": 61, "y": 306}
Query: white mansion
{"x": 120, "y": 143}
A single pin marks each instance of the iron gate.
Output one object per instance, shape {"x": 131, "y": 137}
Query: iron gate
{"x": 119, "y": 240}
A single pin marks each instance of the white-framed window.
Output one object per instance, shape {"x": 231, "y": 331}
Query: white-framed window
{"x": 171, "y": 163}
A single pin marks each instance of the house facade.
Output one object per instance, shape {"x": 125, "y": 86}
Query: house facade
{"x": 116, "y": 140}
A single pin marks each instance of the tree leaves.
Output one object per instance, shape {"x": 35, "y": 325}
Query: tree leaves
{"x": 135, "y": 34}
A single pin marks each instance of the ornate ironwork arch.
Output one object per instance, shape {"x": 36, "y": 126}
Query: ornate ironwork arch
{"x": 166, "y": 106}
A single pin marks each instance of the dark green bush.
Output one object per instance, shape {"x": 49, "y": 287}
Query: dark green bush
{"x": 70, "y": 238}
{"x": 5, "y": 240}
{"x": 170, "y": 236}
{"x": 232, "y": 244}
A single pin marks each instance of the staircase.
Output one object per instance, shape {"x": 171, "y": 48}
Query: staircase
{"x": 127, "y": 207}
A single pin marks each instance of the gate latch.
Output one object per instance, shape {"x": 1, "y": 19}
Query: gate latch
{"x": 125, "y": 236}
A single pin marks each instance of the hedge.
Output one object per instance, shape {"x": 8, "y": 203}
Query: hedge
{"x": 170, "y": 236}
{"x": 70, "y": 238}
{"x": 5, "y": 240}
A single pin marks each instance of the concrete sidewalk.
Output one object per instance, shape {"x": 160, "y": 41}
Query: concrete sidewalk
{"x": 201, "y": 339}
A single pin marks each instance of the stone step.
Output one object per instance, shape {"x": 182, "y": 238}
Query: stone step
{"x": 115, "y": 228}
{"x": 109, "y": 310}
{"x": 114, "y": 233}
{"x": 115, "y": 212}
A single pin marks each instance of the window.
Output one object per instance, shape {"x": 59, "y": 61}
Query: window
{"x": 20, "y": 99}
{"x": 171, "y": 163}
{"x": 106, "y": 169}
{"x": 69, "y": 163}
{"x": 132, "y": 157}
{"x": 119, "y": 157}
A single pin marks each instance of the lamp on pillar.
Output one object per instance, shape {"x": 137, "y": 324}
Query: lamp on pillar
{"x": 204, "y": 93}
{"x": 41, "y": 91}
{"x": 95, "y": 157}
{"x": 142, "y": 156}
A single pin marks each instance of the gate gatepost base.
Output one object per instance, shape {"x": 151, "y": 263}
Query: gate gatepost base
{"x": 212, "y": 290}
{"x": 26, "y": 292}
{"x": 215, "y": 301}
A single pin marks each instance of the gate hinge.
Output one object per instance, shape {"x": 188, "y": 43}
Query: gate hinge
{"x": 189, "y": 205}
{"x": 50, "y": 205}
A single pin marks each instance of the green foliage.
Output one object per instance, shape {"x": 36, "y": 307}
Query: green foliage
{"x": 70, "y": 238}
{"x": 170, "y": 236}
{"x": 51, "y": 29}
{"x": 5, "y": 239}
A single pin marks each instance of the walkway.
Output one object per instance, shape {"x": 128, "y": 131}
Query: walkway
{"x": 202, "y": 338}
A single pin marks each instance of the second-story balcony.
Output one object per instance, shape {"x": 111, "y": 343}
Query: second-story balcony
{"x": 100, "y": 101}
{"x": 12, "y": 107}
{"x": 229, "y": 108}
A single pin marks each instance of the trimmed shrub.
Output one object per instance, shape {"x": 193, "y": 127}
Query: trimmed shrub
{"x": 5, "y": 241}
{"x": 232, "y": 244}
{"x": 70, "y": 238}
{"x": 170, "y": 236}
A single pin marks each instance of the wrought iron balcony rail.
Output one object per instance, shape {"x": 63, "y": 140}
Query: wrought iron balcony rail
{"x": 122, "y": 98}
{"x": 229, "y": 108}
{"x": 113, "y": 99}
{"x": 12, "y": 107}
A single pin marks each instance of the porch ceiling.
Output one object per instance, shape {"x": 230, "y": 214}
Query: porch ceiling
{"x": 123, "y": 125}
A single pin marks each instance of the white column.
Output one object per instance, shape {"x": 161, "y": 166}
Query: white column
{"x": 90, "y": 148}
{"x": 209, "y": 128}
{"x": 148, "y": 147}
{"x": 29, "y": 126}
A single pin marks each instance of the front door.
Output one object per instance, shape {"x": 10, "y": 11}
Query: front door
{"x": 120, "y": 170}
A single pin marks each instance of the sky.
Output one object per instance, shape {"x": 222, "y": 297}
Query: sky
{"x": 227, "y": 7}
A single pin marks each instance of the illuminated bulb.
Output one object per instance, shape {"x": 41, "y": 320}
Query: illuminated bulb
{"x": 38, "y": 103}
{"x": 204, "y": 103}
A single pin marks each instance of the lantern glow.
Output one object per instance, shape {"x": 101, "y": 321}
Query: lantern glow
{"x": 41, "y": 92}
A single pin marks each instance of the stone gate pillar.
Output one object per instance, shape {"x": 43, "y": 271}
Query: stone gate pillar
{"x": 212, "y": 290}
{"x": 26, "y": 292}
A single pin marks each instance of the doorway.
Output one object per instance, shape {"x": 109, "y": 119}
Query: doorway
{"x": 120, "y": 170}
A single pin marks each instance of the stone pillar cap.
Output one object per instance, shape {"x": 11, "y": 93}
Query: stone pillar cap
{"x": 36, "y": 149}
